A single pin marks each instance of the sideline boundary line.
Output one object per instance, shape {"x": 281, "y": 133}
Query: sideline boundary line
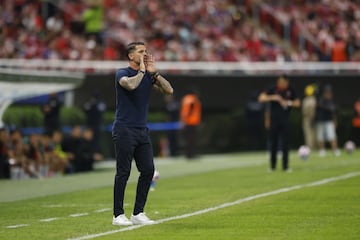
{"x": 225, "y": 205}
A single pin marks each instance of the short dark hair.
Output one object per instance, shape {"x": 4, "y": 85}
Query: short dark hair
{"x": 131, "y": 47}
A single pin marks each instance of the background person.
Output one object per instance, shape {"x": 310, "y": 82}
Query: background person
{"x": 355, "y": 131}
{"x": 255, "y": 117}
{"x": 94, "y": 110}
{"x": 190, "y": 116}
{"x": 4, "y": 157}
{"x": 51, "y": 111}
{"x": 172, "y": 108}
{"x": 308, "y": 113}
{"x": 326, "y": 121}
{"x": 282, "y": 99}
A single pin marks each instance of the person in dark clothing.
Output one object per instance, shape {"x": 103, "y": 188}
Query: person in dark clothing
{"x": 282, "y": 99}
{"x": 71, "y": 146}
{"x": 326, "y": 121}
{"x": 94, "y": 110}
{"x": 172, "y": 108}
{"x": 51, "y": 111}
{"x": 86, "y": 154}
{"x": 4, "y": 157}
{"x": 32, "y": 160}
{"x": 254, "y": 112}
{"x": 355, "y": 131}
{"x": 130, "y": 134}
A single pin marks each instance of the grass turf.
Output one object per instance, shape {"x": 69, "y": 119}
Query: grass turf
{"x": 329, "y": 211}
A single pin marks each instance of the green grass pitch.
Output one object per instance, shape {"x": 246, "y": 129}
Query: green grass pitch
{"x": 74, "y": 207}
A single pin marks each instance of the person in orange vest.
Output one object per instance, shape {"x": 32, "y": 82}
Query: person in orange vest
{"x": 339, "y": 50}
{"x": 356, "y": 123}
{"x": 190, "y": 116}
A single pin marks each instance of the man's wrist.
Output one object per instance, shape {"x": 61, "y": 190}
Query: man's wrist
{"x": 155, "y": 74}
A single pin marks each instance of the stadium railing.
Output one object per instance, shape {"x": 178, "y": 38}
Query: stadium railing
{"x": 186, "y": 67}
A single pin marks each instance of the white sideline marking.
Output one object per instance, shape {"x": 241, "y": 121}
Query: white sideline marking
{"x": 102, "y": 210}
{"x": 229, "y": 204}
{"x": 48, "y": 219}
{"x": 17, "y": 226}
{"x": 56, "y": 218}
{"x": 78, "y": 214}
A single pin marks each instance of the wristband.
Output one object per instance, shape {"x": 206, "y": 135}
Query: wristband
{"x": 142, "y": 71}
{"x": 155, "y": 74}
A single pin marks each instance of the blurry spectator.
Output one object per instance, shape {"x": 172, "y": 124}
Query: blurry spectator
{"x": 282, "y": 99}
{"x": 172, "y": 111}
{"x": 44, "y": 149}
{"x": 355, "y": 132}
{"x": 32, "y": 160}
{"x": 339, "y": 50}
{"x": 308, "y": 113}
{"x": 190, "y": 116}
{"x": 51, "y": 111}
{"x": 16, "y": 154}
{"x": 4, "y": 158}
{"x": 71, "y": 145}
{"x": 254, "y": 112}
{"x": 58, "y": 158}
{"x": 93, "y": 19}
{"x": 94, "y": 109}
{"x": 55, "y": 23}
{"x": 326, "y": 121}
{"x": 87, "y": 156}
{"x": 110, "y": 51}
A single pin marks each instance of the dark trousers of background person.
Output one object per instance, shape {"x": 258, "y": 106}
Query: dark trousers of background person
{"x": 173, "y": 142}
{"x": 4, "y": 168}
{"x": 255, "y": 136}
{"x": 132, "y": 143}
{"x": 279, "y": 130}
{"x": 96, "y": 138}
{"x": 355, "y": 136}
{"x": 190, "y": 134}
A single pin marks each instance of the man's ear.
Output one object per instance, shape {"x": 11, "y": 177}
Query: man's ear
{"x": 131, "y": 56}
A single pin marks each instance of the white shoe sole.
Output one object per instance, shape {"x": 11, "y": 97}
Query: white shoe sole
{"x": 122, "y": 224}
{"x": 143, "y": 223}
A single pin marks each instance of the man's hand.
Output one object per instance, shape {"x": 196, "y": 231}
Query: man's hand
{"x": 150, "y": 63}
{"x": 284, "y": 103}
{"x": 142, "y": 63}
{"x": 276, "y": 98}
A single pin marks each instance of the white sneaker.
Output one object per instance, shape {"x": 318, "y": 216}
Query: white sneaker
{"x": 121, "y": 220}
{"x": 141, "y": 219}
{"x": 337, "y": 153}
{"x": 322, "y": 153}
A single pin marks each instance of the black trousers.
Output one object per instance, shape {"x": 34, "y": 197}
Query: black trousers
{"x": 279, "y": 130}
{"x": 190, "y": 134}
{"x": 132, "y": 143}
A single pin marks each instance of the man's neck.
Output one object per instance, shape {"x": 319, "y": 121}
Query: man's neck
{"x": 134, "y": 66}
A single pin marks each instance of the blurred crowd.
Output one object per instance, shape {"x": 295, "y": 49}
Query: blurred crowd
{"x": 332, "y": 27}
{"x": 55, "y": 151}
{"x": 185, "y": 30}
{"x": 44, "y": 155}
